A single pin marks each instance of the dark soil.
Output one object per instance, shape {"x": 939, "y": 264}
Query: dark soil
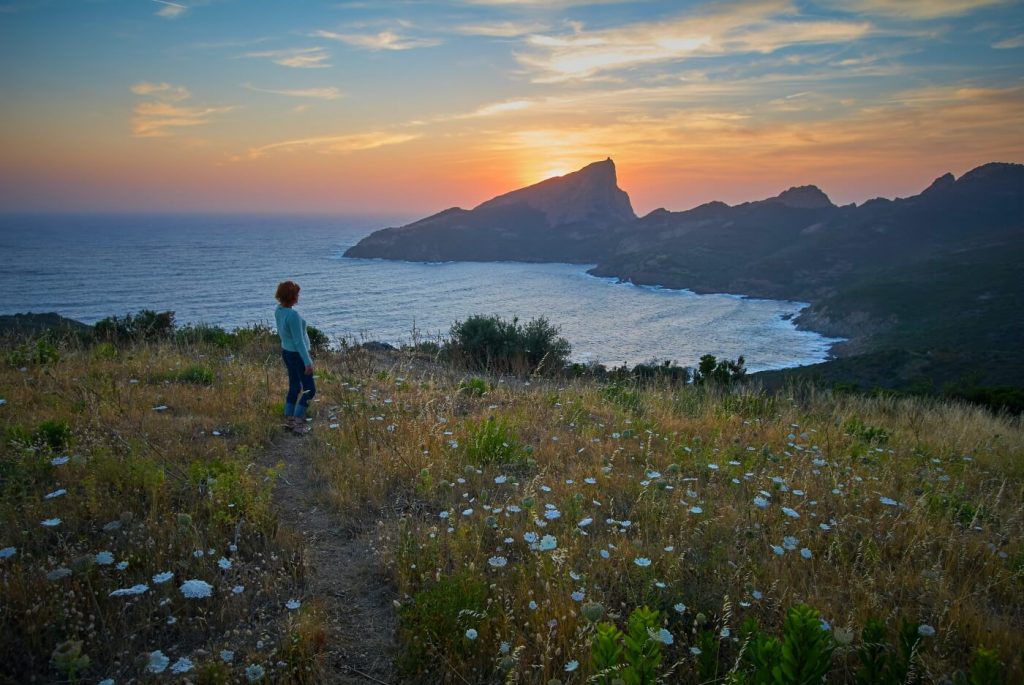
{"x": 342, "y": 571}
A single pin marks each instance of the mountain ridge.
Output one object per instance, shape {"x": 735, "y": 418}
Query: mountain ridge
{"x": 866, "y": 270}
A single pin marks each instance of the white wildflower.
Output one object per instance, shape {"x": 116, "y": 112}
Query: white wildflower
{"x": 196, "y": 589}
{"x": 157, "y": 662}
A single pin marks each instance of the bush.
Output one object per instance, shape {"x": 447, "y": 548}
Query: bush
{"x": 665, "y": 370}
{"x": 53, "y": 434}
{"x": 318, "y": 340}
{"x": 714, "y": 372}
{"x": 490, "y": 342}
{"x": 204, "y": 334}
{"x": 147, "y": 325}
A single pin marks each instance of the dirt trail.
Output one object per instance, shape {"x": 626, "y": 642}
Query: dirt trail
{"x": 342, "y": 571}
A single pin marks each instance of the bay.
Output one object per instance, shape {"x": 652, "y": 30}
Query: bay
{"x": 223, "y": 269}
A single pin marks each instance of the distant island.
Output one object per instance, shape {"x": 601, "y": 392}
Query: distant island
{"x": 927, "y": 288}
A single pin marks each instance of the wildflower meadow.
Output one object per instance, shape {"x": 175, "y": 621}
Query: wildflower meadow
{"x": 533, "y": 529}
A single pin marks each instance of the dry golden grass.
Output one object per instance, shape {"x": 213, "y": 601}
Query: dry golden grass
{"x": 175, "y": 489}
{"x": 414, "y": 446}
{"x": 683, "y": 466}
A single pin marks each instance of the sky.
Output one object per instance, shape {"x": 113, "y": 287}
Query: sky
{"x": 410, "y": 107}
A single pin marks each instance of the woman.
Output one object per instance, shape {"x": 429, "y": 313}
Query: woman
{"x": 295, "y": 351}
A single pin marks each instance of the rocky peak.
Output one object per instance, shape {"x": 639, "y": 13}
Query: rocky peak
{"x": 590, "y": 194}
{"x": 804, "y": 197}
{"x": 941, "y": 183}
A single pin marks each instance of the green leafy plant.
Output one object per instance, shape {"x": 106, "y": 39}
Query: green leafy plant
{"x": 870, "y": 435}
{"x": 642, "y": 652}
{"x": 802, "y": 657}
{"x": 884, "y": 663}
{"x": 806, "y": 648}
{"x": 621, "y": 396}
{"x": 492, "y": 441}
{"x": 606, "y": 652}
{"x": 54, "y": 434}
{"x": 196, "y": 375}
{"x": 632, "y": 657}
{"x": 986, "y": 669}
{"x": 69, "y": 660}
{"x": 474, "y": 387}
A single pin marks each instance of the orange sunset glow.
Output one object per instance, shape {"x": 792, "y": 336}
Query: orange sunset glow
{"x": 420, "y": 106}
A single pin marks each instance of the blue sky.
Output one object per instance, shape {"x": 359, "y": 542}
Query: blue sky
{"x": 419, "y": 105}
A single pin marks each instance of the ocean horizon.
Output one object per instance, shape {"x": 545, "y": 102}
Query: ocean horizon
{"x": 222, "y": 269}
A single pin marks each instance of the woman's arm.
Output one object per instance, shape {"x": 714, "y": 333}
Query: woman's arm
{"x": 298, "y": 335}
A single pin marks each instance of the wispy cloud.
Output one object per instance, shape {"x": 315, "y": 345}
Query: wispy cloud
{"x": 297, "y": 58}
{"x": 158, "y": 116}
{"x": 914, "y": 9}
{"x": 1009, "y": 43}
{"x": 170, "y": 10}
{"x": 738, "y": 28}
{"x": 164, "y": 91}
{"x": 908, "y": 124}
{"x": 384, "y": 40}
{"x": 349, "y": 142}
{"x": 498, "y": 108}
{"x": 545, "y": 3}
{"x": 327, "y": 93}
{"x": 501, "y": 29}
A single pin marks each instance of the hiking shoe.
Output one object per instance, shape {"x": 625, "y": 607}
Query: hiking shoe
{"x": 299, "y": 427}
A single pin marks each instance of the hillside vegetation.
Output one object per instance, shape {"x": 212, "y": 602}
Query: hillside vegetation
{"x": 534, "y": 528}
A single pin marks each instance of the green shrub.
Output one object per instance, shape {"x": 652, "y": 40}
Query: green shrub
{"x": 318, "y": 340}
{"x": 54, "y": 434}
{"x": 870, "y": 435}
{"x": 104, "y": 350}
{"x": 196, "y": 375}
{"x": 43, "y": 353}
{"x": 475, "y": 387}
{"x": 666, "y": 370}
{"x": 492, "y": 442}
{"x": 490, "y": 342}
{"x": 712, "y": 371}
{"x": 147, "y": 325}
{"x": 621, "y": 396}
{"x": 204, "y": 334}
{"x": 986, "y": 669}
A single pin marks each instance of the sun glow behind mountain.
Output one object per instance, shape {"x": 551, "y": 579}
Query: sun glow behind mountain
{"x": 215, "y": 106}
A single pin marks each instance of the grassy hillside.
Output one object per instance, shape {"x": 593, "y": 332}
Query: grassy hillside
{"x": 523, "y": 523}
{"x": 126, "y": 473}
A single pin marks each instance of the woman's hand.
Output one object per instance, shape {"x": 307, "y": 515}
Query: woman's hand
{"x": 309, "y": 370}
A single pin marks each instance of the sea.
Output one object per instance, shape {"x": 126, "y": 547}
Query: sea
{"x": 223, "y": 270}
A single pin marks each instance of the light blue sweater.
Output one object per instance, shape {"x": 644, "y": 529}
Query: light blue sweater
{"x": 292, "y": 329}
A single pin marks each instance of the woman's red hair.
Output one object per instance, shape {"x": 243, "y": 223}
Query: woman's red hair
{"x": 287, "y": 293}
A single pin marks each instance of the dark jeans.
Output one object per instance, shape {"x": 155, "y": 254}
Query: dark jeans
{"x": 297, "y": 379}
